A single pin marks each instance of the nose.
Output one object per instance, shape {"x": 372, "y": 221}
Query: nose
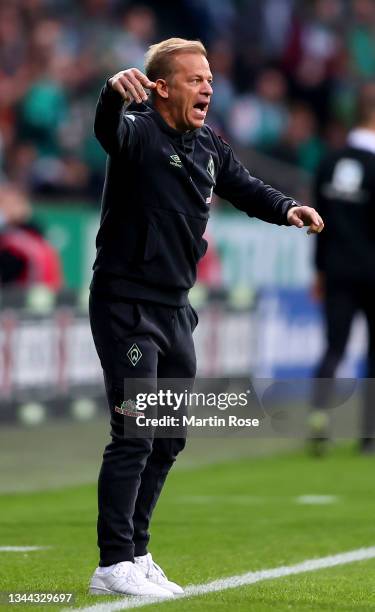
{"x": 207, "y": 88}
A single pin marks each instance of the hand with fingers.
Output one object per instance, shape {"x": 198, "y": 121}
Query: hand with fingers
{"x": 131, "y": 84}
{"x": 301, "y": 216}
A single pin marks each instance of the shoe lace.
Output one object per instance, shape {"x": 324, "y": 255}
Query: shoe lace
{"x": 153, "y": 569}
{"x": 131, "y": 572}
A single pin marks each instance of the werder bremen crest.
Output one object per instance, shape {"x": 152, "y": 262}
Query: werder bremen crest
{"x": 211, "y": 168}
{"x": 134, "y": 354}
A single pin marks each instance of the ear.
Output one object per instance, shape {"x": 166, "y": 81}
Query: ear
{"x": 161, "y": 88}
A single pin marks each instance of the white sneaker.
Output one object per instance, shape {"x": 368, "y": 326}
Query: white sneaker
{"x": 155, "y": 574}
{"x": 124, "y": 578}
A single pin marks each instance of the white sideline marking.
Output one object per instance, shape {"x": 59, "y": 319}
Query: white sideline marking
{"x": 21, "y": 548}
{"x": 317, "y": 499}
{"x": 233, "y": 582}
{"x": 213, "y": 499}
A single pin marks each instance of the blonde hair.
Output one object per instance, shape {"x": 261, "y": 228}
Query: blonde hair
{"x": 158, "y": 63}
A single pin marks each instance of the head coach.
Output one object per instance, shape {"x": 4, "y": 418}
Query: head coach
{"x": 163, "y": 165}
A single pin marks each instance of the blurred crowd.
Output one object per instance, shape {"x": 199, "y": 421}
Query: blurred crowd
{"x": 286, "y": 73}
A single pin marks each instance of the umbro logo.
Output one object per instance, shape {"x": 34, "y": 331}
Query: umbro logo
{"x": 175, "y": 161}
{"x": 134, "y": 354}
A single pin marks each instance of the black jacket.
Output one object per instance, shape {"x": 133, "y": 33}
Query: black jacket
{"x": 156, "y": 200}
{"x": 345, "y": 198}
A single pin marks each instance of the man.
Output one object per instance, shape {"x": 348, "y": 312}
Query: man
{"x": 345, "y": 255}
{"x": 164, "y": 164}
{"x": 26, "y": 257}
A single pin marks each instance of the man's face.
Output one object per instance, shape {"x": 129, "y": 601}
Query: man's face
{"x": 189, "y": 91}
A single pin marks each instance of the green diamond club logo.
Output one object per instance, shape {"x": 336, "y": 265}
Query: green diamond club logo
{"x": 211, "y": 168}
{"x": 134, "y": 354}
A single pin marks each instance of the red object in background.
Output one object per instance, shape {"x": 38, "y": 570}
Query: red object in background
{"x": 209, "y": 268}
{"x": 40, "y": 261}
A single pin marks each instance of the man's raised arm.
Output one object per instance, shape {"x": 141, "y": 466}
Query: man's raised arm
{"x": 110, "y": 126}
{"x": 235, "y": 184}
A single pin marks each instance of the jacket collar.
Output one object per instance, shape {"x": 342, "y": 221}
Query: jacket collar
{"x": 186, "y": 136}
{"x": 175, "y": 134}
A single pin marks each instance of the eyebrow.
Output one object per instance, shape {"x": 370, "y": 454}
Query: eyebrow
{"x": 200, "y": 76}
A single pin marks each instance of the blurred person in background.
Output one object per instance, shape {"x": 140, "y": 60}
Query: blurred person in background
{"x": 26, "y": 257}
{"x": 221, "y": 60}
{"x": 164, "y": 164}
{"x": 361, "y": 39}
{"x": 137, "y": 33}
{"x": 300, "y": 143}
{"x": 313, "y": 52}
{"x": 45, "y": 117}
{"x": 276, "y": 24}
{"x": 53, "y": 56}
{"x": 345, "y": 256}
{"x": 258, "y": 118}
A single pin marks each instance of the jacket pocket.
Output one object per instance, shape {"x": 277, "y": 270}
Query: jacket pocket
{"x": 140, "y": 241}
{"x": 151, "y": 242}
{"x": 113, "y": 321}
{"x": 202, "y": 250}
{"x": 194, "y": 319}
{"x": 199, "y": 245}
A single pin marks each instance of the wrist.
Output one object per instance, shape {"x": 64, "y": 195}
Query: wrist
{"x": 113, "y": 94}
{"x": 291, "y": 208}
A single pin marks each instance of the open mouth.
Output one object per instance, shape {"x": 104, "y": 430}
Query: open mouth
{"x": 201, "y": 108}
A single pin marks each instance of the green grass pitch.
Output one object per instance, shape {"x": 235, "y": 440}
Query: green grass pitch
{"x": 214, "y": 521}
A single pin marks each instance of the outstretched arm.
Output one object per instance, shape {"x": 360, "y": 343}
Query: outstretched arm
{"x": 235, "y": 184}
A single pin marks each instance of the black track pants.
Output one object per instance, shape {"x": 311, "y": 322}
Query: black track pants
{"x": 134, "y": 469}
{"x": 342, "y": 302}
